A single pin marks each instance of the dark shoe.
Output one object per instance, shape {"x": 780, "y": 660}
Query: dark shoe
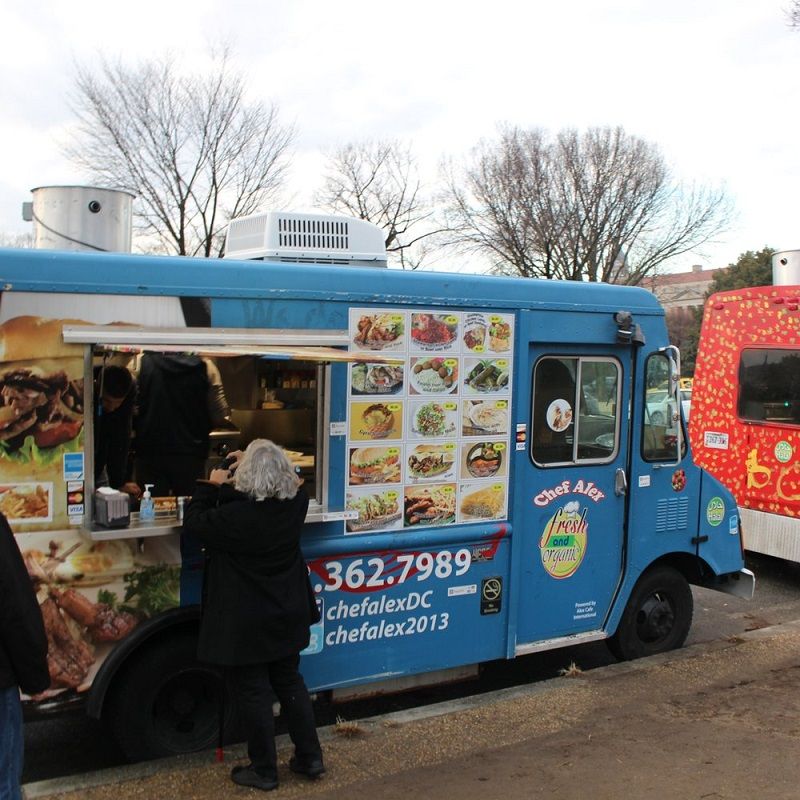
{"x": 310, "y": 767}
{"x": 245, "y": 775}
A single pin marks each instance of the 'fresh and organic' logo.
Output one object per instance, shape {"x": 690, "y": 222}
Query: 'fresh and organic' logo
{"x": 715, "y": 511}
{"x": 563, "y": 542}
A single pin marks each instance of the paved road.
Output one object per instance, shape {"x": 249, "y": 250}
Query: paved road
{"x": 75, "y": 744}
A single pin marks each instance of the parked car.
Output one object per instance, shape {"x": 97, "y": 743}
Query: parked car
{"x": 686, "y": 402}
{"x": 659, "y": 407}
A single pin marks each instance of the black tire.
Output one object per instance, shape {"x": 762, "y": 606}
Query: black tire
{"x": 657, "y": 617}
{"x": 165, "y": 702}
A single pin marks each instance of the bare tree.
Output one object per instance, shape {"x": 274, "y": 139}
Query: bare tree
{"x": 793, "y": 13}
{"x": 16, "y": 240}
{"x": 191, "y": 149}
{"x": 378, "y": 181}
{"x": 599, "y": 206}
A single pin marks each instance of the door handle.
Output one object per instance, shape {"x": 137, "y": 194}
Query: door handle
{"x": 620, "y": 482}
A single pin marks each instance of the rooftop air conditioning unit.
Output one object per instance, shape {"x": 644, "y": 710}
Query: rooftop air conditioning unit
{"x": 306, "y": 239}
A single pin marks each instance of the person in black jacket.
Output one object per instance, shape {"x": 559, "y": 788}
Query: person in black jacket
{"x": 257, "y": 602}
{"x": 23, "y": 657}
{"x": 115, "y": 393}
{"x": 180, "y": 400}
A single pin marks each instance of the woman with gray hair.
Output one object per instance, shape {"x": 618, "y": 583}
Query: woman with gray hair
{"x": 257, "y": 602}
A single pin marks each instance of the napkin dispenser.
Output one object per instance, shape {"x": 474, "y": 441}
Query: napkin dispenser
{"x": 112, "y": 508}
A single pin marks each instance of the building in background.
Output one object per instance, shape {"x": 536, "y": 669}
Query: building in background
{"x": 683, "y": 294}
{"x": 681, "y": 289}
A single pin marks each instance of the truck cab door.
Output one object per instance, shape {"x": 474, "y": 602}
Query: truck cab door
{"x": 571, "y": 486}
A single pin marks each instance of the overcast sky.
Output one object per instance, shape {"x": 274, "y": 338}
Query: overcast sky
{"x": 714, "y": 83}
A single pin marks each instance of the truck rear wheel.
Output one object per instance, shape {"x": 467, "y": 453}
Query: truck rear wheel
{"x": 166, "y": 702}
{"x": 657, "y": 617}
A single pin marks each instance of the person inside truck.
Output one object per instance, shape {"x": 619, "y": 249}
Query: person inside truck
{"x": 553, "y": 409}
{"x": 180, "y": 400}
{"x": 115, "y": 397}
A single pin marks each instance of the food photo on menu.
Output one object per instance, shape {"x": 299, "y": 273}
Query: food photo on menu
{"x": 482, "y": 417}
{"x": 499, "y": 336}
{"x": 371, "y": 421}
{"x": 486, "y": 333}
{"x": 431, "y": 331}
{"x": 377, "y": 509}
{"x": 367, "y": 378}
{"x": 484, "y": 459}
{"x": 379, "y": 331}
{"x": 482, "y": 501}
{"x": 486, "y": 375}
{"x": 374, "y": 465}
{"x": 437, "y": 375}
{"x": 429, "y": 505}
{"x": 431, "y": 461}
{"x": 475, "y": 330}
{"x": 433, "y": 418}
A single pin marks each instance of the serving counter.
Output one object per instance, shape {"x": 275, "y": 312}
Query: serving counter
{"x": 166, "y": 525}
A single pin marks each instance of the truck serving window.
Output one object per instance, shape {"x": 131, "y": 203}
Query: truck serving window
{"x": 574, "y": 414}
{"x": 769, "y": 386}
{"x": 281, "y": 400}
{"x": 276, "y": 382}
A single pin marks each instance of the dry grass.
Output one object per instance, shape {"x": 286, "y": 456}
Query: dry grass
{"x": 347, "y": 729}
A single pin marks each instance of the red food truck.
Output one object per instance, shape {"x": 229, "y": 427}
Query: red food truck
{"x": 745, "y": 422}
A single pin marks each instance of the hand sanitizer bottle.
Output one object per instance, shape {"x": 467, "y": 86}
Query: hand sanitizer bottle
{"x": 147, "y": 510}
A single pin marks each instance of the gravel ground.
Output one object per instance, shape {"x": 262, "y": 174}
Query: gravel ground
{"x": 709, "y": 721}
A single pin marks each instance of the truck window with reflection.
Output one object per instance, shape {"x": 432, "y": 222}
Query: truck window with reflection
{"x": 661, "y": 413}
{"x": 575, "y": 410}
{"x": 769, "y": 386}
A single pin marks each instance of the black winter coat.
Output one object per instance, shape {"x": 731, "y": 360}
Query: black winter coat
{"x": 23, "y": 642}
{"x": 257, "y": 598}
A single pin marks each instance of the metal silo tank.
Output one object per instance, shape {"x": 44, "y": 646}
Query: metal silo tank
{"x": 82, "y": 218}
{"x": 786, "y": 268}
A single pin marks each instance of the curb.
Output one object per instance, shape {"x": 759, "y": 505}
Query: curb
{"x": 145, "y": 769}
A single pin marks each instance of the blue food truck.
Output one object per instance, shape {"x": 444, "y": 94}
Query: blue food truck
{"x": 487, "y": 471}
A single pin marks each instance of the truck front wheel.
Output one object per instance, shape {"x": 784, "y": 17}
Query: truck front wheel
{"x": 657, "y": 617}
{"x": 166, "y": 702}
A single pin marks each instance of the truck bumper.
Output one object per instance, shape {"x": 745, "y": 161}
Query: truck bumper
{"x": 739, "y": 584}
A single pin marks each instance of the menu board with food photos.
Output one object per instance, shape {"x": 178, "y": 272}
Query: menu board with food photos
{"x": 428, "y": 433}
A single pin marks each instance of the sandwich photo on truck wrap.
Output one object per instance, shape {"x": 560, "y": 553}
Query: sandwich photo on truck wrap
{"x": 41, "y": 419}
{"x": 41, "y": 395}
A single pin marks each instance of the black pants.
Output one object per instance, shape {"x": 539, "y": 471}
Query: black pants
{"x": 252, "y": 684}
